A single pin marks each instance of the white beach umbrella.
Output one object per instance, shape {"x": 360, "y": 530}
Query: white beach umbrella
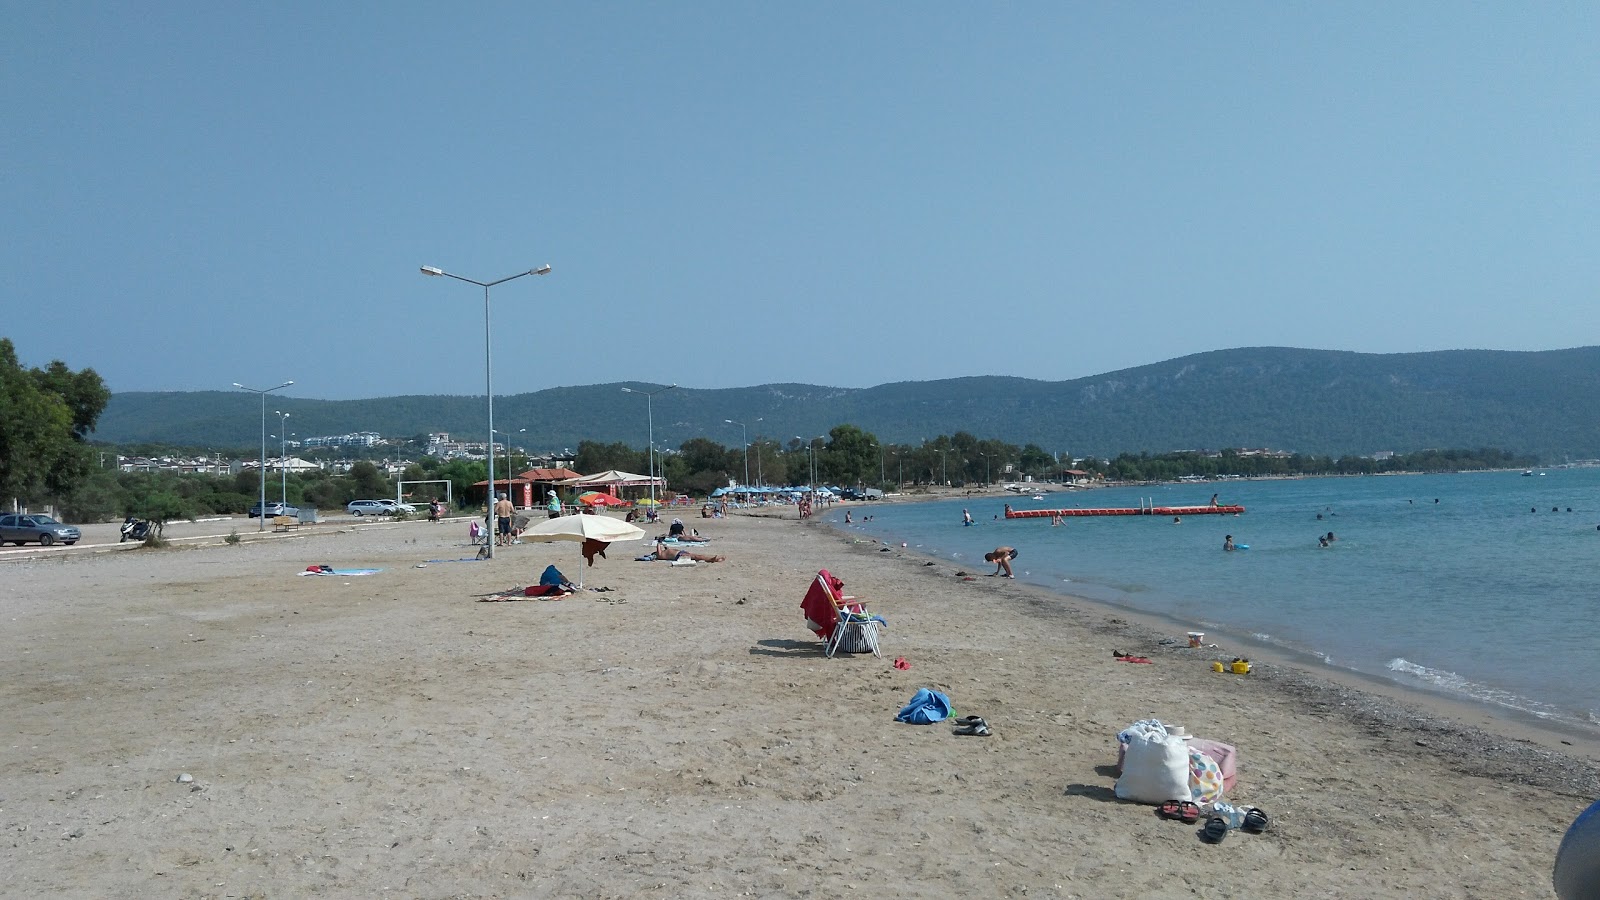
{"x": 580, "y": 528}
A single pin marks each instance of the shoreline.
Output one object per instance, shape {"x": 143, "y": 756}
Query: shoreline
{"x": 1560, "y": 759}
{"x": 1568, "y": 736}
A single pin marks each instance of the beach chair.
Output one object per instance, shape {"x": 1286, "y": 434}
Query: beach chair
{"x": 842, "y": 621}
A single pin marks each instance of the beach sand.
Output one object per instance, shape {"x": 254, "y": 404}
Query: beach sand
{"x": 681, "y": 735}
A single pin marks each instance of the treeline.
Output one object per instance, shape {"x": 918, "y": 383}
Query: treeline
{"x": 846, "y": 457}
{"x": 1231, "y": 463}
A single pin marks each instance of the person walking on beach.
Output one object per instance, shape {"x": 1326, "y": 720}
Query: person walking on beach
{"x": 1001, "y": 557}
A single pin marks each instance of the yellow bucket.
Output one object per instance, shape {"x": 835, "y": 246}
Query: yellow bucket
{"x": 1240, "y": 667}
{"x": 1217, "y": 667}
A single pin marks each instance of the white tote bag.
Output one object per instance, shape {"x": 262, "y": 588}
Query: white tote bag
{"x": 1155, "y": 769}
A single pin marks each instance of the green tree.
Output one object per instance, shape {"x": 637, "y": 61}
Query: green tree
{"x": 369, "y": 482}
{"x": 45, "y": 416}
{"x": 597, "y": 457}
{"x": 851, "y": 457}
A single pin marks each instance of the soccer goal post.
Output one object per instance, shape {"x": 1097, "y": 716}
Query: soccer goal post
{"x": 449, "y": 494}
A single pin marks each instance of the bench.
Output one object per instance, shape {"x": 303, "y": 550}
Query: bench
{"x": 284, "y": 523}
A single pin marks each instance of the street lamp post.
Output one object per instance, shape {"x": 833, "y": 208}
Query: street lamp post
{"x": 263, "y": 392}
{"x": 650, "y": 423}
{"x": 985, "y": 468}
{"x": 488, "y": 360}
{"x": 283, "y": 445}
{"x": 744, "y": 434}
{"x": 811, "y": 450}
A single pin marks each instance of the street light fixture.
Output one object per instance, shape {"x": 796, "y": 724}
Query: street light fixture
{"x": 985, "y": 468}
{"x": 488, "y": 360}
{"x": 650, "y": 421}
{"x": 283, "y": 445}
{"x": 811, "y": 449}
{"x": 263, "y": 392}
{"x": 745, "y": 436}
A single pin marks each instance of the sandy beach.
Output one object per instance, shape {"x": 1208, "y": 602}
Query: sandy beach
{"x": 681, "y": 735}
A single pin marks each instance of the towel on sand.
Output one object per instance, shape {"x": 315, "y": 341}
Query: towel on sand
{"x": 926, "y": 708}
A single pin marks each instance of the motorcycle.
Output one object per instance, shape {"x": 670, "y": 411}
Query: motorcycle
{"x": 135, "y": 529}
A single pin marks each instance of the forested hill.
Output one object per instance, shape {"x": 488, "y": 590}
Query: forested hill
{"x": 1310, "y": 401}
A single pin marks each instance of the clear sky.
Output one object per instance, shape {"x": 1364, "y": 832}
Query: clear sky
{"x": 739, "y": 193}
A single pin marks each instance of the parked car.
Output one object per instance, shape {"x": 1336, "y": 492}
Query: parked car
{"x": 20, "y": 529}
{"x": 274, "y": 508}
{"x": 377, "y": 508}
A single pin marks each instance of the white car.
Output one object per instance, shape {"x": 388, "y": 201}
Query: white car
{"x": 377, "y": 508}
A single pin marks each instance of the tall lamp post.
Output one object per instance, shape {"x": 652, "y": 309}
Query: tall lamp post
{"x": 263, "y": 392}
{"x": 985, "y": 468}
{"x": 283, "y": 449}
{"x": 812, "y": 451}
{"x": 650, "y": 422}
{"x": 744, "y": 434}
{"x": 488, "y": 360}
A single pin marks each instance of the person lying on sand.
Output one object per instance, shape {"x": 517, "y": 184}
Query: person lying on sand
{"x": 662, "y": 552}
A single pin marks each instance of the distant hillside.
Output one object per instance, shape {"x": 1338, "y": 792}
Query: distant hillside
{"x": 1311, "y": 401}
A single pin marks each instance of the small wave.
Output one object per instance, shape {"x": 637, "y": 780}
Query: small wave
{"x": 1450, "y": 681}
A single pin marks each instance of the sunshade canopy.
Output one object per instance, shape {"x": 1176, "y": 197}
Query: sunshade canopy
{"x": 583, "y": 527}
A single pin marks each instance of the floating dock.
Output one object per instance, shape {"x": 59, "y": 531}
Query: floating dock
{"x": 1125, "y": 511}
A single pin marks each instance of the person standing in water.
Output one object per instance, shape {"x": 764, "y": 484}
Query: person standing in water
{"x": 966, "y": 517}
{"x": 1227, "y": 542}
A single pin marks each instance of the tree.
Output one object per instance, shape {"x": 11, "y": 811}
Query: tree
{"x": 369, "y": 482}
{"x": 597, "y": 457}
{"x": 851, "y": 458}
{"x": 45, "y": 415}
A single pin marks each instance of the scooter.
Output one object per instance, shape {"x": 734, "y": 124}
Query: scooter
{"x": 135, "y": 529}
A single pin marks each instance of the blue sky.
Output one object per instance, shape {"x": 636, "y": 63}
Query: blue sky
{"x": 741, "y": 193}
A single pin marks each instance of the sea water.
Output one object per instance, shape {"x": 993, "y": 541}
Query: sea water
{"x": 1479, "y": 585}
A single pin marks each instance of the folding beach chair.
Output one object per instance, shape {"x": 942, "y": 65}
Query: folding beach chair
{"x": 842, "y": 621}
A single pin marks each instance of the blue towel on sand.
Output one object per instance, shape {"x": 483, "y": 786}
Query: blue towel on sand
{"x": 926, "y": 708}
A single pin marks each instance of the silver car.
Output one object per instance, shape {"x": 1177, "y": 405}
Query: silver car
{"x": 21, "y": 529}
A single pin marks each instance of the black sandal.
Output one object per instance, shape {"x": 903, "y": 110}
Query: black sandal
{"x": 1255, "y": 820}
{"x": 979, "y": 729}
{"x": 1216, "y": 829}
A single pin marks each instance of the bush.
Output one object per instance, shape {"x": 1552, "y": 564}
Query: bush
{"x": 232, "y": 538}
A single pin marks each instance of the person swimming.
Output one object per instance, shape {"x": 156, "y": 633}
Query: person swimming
{"x": 1227, "y": 542}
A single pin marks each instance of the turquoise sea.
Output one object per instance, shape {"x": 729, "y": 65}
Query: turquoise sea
{"x": 1478, "y": 585}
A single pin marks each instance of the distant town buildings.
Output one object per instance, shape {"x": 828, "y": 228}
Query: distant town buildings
{"x": 354, "y": 439}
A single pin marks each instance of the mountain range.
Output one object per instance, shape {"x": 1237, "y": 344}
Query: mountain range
{"x": 1331, "y": 402}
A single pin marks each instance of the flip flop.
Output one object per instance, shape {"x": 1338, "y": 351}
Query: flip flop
{"x": 1215, "y": 830}
{"x": 1185, "y": 811}
{"x": 967, "y": 721}
{"x": 1255, "y": 820}
{"x": 980, "y": 730}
